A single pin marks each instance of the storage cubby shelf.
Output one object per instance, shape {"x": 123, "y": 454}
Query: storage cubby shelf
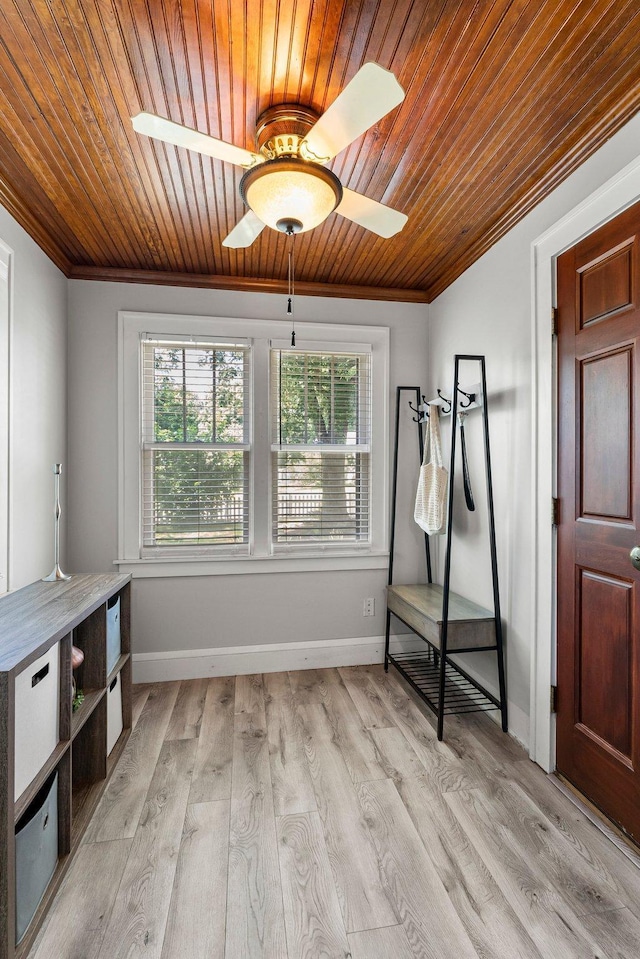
{"x": 38, "y": 625}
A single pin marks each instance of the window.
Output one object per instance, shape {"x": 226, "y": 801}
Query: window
{"x": 240, "y": 454}
{"x": 195, "y": 450}
{"x": 320, "y": 447}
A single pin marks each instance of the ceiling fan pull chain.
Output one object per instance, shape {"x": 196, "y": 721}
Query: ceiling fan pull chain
{"x": 291, "y": 287}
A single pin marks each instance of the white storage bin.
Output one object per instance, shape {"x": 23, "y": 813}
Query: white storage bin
{"x": 113, "y": 632}
{"x": 114, "y": 713}
{"x": 36, "y": 853}
{"x": 37, "y": 715}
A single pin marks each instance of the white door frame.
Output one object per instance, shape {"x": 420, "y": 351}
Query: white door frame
{"x": 616, "y": 195}
{"x": 6, "y": 264}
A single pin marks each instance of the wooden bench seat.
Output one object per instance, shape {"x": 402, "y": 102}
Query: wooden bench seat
{"x": 469, "y": 626}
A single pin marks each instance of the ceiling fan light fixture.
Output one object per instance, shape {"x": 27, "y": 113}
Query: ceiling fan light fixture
{"x": 289, "y": 191}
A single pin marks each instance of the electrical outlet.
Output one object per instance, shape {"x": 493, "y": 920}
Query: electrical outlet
{"x": 369, "y": 607}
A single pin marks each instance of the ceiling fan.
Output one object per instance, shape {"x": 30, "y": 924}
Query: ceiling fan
{"x": 286, "y": 185}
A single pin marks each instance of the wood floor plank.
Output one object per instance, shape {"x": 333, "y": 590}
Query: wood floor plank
{"x": 255, "y": 922}
{"x": 486, "y": 728}
{"x": 292, "y": 789}
{"x": 491, "y": 923}
{"x": 397, "y": 756}
{"x": 308, "y": 685}
{"x": 418, "y": 726}
{"x": 139, "y": 696}
{"x": 138, "y": 921}
{"x": 249, "y": 694}
{"x": 311, "y": 910}
{"x": 600, "y": 856}
{"x": 592, "y": 856}
{"x": 497, "y": 759}
{"x": 371, "y": 709}
{"x": 81, "y": 910}
{"x": 354, "y": 863}
{"x": 432, "y": 926}
{"x": 538, "y": 903}
{"x": 514, "y": 813}
{"x": 388, "y": 943}
{"x": 119, "y": 810}
{"x": 356, "y": 745}
{"x": 582, "y": 885}
{"x": 212, "y": 771}
{"x": 617, "y": 933}
{"x": 197, "y": 914}
{"x": 187, "y": 713}
{"x": 482, "y": 763}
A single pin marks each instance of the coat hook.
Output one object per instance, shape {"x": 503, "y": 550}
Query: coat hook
{"x": 422, "y": 411}
{"x": 471, "y": 398}
{"x": 446, "y": 400}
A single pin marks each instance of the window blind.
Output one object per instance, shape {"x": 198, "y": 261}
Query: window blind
{"x": 195, "y": 445}
{"x": 320, "y": 447}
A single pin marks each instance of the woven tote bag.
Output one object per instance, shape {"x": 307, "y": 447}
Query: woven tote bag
{"x": 430, "y": 512}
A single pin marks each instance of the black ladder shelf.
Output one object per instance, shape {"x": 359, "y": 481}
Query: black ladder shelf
{"x": 448, "y": 623}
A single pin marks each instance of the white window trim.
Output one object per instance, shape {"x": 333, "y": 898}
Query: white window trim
{"x": 262, "y": 333}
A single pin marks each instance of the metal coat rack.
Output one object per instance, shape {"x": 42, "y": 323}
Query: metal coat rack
{"x": 444, "y": 686}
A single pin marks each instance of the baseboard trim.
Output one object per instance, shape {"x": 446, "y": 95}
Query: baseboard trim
{"x": 271, "y": 658}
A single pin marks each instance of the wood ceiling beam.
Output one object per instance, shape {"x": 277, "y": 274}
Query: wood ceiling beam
{"x": 246, "y": 284}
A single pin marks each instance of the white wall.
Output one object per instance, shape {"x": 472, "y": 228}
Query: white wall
{"x": 37, "y": 389}
{"x": 489, "y": 310}
{"x": 221, "y": 611}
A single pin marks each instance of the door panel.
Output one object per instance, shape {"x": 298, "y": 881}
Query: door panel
{"x": 603, "y": 666}
{"x": 606, "y": 284}
{"x": 606, "y": 384}
{"x": 598, "y": 727}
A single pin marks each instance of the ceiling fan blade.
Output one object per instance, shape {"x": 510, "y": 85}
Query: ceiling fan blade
{"x": 170, "y": 132}
{"x": 366, "y": 99}
{"x": 244, "y": 232}
{"x": 370, "y": 214}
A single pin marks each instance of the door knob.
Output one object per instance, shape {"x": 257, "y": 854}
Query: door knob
{"x": 634, "y": 556}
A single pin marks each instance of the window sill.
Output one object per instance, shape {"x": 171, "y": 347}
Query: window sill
{"x": 230, "y": 566}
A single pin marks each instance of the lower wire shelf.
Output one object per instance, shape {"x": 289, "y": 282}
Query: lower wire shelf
{"x": 461, "y": 693}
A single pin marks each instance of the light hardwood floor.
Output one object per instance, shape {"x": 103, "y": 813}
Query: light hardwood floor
{"x": 314, "y": 815}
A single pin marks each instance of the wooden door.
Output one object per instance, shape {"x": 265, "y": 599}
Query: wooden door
{"x": 598, "y": 728}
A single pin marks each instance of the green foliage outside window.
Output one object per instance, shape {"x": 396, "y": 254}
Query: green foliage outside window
{"x": 318, "y": 398}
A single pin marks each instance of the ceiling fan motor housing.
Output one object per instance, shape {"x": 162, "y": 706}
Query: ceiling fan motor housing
{"x": 282, "y": 128}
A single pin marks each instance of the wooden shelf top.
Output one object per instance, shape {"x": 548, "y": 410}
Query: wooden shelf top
{"x": 36, "y": 616}
{"x": 426, "y": 599}
{"x": 91, "y": 699}
{"x": 122, "y": 659}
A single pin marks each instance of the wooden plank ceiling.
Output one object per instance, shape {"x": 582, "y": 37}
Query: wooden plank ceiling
{"x": 504, "y": 98}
